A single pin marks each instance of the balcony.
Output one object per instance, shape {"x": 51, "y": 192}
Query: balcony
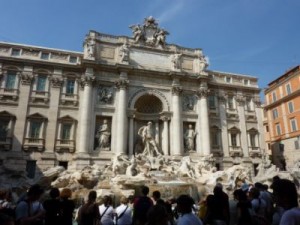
{"x": 9, "y": 94}
{"x": 34, "y": 144}
{"x": 5, "y": 143}
{"x": 254, "y": 152}
{"x": 63, "y": 145}
{"x": 235, "y": 151}
{"x": 39, "y": 96}
{"x": 69, "y": 99}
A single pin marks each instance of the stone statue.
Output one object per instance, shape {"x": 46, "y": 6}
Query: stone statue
{"x": 150, "y": 22}
{"x": 104, "y": 136}
{"x": 90, "y": 48}
{"x": 137, "y": 32}
{"x": 132, "y": 168}
{"x": 124, "y": 53}
{"x": 189, "y": 138}
{"x": 175, "y": 59}
{"x": 161, "y": 37}
{"x": 185, "y": 168}
{"x": 148, "y": 136}
{"x": 105, "y": 95}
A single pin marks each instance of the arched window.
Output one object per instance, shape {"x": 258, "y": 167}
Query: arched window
{"x": 148, "y": 104}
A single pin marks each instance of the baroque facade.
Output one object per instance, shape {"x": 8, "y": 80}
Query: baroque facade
{"x": 282, "y": 118}
{"x": 74, "y": 109}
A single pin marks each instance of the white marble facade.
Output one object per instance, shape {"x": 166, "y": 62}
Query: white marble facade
{"x": 63, "y": 107}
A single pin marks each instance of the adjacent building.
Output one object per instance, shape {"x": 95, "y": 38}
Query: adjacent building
{"x": 282, "y": 116}
{"x": 74, "y": 109}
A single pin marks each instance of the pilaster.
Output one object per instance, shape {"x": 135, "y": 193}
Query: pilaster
{"x": 243, "y": 126}
{"x": 224, "y": 125}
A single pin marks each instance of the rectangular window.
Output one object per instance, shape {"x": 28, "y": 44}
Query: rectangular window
{"x": 275, "y": 114}
{"x": 3, "y": 129}
{"x": 66, "y": 131}
{"x": 211, "y": 102}
{"x": 246, "y": 82}
{"x": 16, "y": 52}
{"x": 252, "y": 140}
{"x": 274, "y": 96}
{"x": 45, "y": 56}
{"x": 215, "y": 138}
{"x": 293, "y": 124}
{"x": 278, "y": 129}
{"x": 41, "y": 83}
{"x": 30, "y": 168}
{"x": 70, "y": 86}
{"x": 291, "y": 107}
{"x": 248, "y": 104}
{"x": 233, "y": 140}
{"x": 35, "y": 129}
{"x": 10, "y": 80}
{"x": 288, "y": 89}
{"x": 267, "y": 128}
{"x": 73, "y": 59}
{"x": 228, "y": 79}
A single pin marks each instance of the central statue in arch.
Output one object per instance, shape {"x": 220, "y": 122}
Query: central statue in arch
{"x": 147, "y": 134}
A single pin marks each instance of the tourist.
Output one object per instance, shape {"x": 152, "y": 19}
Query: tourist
{"x": 67, "y": 206}
{"x": 124, "y": 212}
{"x": 156, "y": 198}
{"x": 217, "y": 207}
{"x": 141, "y": 206}
{"x": 6, "y": 205}
{"x": 52, "y": 208}
{"x": 267, "y": 196}
{"x": 259, "y": 207}
{"x": 285, "y": 194}
{"x": 88, "y": 214}
{"x": 30, "y": 210}
{"x": 157, "y": 215}
{"x": 106, "y": 211}
{"x": 243, "y": 208}
{"x": 184, "y": 206}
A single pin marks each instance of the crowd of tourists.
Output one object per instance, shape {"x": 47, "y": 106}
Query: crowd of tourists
{"x": 249, "y": 205}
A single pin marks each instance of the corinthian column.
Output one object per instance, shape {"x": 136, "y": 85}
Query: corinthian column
{"x": 177, "y": 139}
{"x": 121, "y": 114}
{"x": 85, "y": 111}
{"x": 203, "y": 119}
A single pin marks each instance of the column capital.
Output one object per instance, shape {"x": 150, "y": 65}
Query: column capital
{"x": 26, "y": 78}
{"x": 240, "y": 99}
{"x": 122, "y": 83}
{"x": 88, "y": 80}
{"x": 176, "y": 90}
{"x": 257, "y": 101}
{"x": 56, "y": 82}
{"x": 202, "y": 92}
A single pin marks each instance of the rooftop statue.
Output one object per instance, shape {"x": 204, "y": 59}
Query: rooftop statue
{"x": 149, "y": 33}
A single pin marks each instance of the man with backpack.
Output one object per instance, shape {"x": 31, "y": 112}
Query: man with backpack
{"x": 141, "y": 207}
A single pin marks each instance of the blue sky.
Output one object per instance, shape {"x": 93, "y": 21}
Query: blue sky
{"x": 255, "y": 37}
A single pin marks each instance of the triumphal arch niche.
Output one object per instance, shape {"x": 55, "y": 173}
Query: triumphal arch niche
{"x": 141, "y": 95}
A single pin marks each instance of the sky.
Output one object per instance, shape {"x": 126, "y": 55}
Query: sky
{"x": 252, "y": 37}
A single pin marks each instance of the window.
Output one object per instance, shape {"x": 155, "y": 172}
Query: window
{"x": 293, "y": 124}
{"x": 233, "y": 140}
{"x": 16, "y": 52}
{"x": 230, "y": 102}
{"x": 211, "y": 102}
{"x": 66, "y": 131}
{"x": 10, "y": 80}
{"x": 41, "y": 83}
{"x": 288, "y": 89}
{"x": 3, "y": 129}
{"x": 30, "y": 168}
{"x": 248, "y": 104}
{"x": 228, "y": 79}
{"x": 35, "y": 129}
{"x": 215, "y": 138}
{"x": 297, "y": 141}
{"x": 45, "y": 56}
{"x": 274, "y": 96}
{"x": 291, "y": 107}
{"x": 275, "y": 114}
{"x": 246, "y": 82}
{"x": 278, "y": 129}
{"x": 253, "y": 140}
{"x": 73, "y": 59}
{"x": 267, "y": 128}
{"x": 70, "y": 86}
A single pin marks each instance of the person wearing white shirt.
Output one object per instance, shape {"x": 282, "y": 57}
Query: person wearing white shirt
{"x": 184, "y": 207}
{"x": 106, "y": 211}
{"x": 124, "y": 212}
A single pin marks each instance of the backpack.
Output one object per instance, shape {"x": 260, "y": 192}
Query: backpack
{"x": 141, "y": 208}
